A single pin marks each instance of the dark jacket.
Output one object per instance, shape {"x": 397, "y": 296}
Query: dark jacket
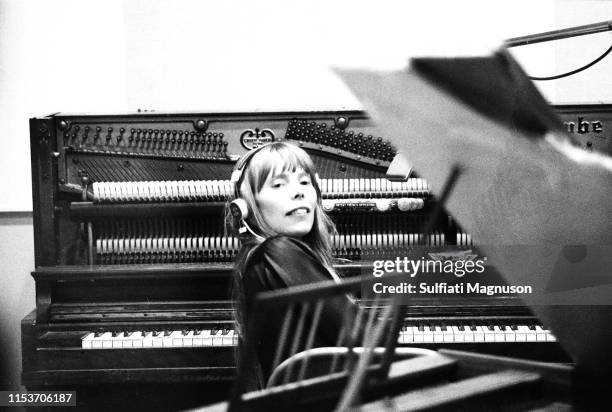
{"x": 281, "y": 262}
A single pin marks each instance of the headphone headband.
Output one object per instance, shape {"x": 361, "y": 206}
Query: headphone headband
{"x": 236, "y": 177}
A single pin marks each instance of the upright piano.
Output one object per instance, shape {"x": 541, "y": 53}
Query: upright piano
{"x": 134, "y": 263}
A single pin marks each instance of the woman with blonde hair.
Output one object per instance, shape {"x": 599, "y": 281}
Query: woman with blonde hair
{"x": 286, "y": 239}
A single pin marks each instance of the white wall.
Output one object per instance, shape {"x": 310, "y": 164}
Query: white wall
{"x": 187, "y": 55}
{"x": 16, "y": 291}
{"x": 65, "y": 55}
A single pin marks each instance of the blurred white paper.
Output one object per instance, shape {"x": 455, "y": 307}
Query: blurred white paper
{"x": 515, "y": 188}
{"x": 541, "y": 217}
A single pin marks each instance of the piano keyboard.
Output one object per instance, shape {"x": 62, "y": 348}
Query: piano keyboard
{"x": 227, "y": 337}
{"x": 220, "y": 190}
{"x": 160, "y": 339}
{"x": 475, "y": 334}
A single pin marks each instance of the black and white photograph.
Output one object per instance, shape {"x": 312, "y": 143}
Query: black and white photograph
{"x": 308, "y": 206}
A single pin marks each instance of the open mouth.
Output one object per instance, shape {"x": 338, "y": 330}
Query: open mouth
{"x": 300, "y": 211}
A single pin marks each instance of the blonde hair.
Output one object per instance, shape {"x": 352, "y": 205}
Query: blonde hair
{"x": 277, "y": 157}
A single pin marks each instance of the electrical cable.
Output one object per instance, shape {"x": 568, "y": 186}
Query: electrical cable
{"x": 559, "y": 76}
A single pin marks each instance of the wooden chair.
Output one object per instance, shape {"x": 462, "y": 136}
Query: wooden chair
{"x": 371, "y": 374}
{"x": 318, "y": 376}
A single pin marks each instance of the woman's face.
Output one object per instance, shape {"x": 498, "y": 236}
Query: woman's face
{"x": 287, "y": 203}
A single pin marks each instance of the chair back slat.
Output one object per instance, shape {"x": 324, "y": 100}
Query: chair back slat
{"x": 311, "y": 334}
{"x": 282, "y": 339}
{"x": 297, "y": 337}
{"x": 373, "y": 336}
{"x": 336, "y": 356}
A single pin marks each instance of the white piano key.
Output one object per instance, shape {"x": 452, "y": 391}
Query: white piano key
{"x": 418, "y": 335}
{"x": 188, "y": 339}
{"x": 522, "y": 333}
{"x": 147, "y": 340}
{"x": 158, "y": 341}
{"x": 531, "y": 335}
{"x": 166, "y": 340}
{"x": 198, "y": 339}
{"x": 117, "y": 341}
{"x": 489, "y": 335}
{"x": 437, "y": 334}
{"x": 449, "y": 335}
{"x": 207, "y": 338}
{"x": 409, "y": 334}
{"x": 96, "y": 343}
{"x": 469, "y": 335}
{"x": 228, "y": 339}
{"x": 458, "y": 334}
{"x": 107, "y": 342}
{"x": 128, "y": 342}
{"x": 509, "y": 334}
{"x": 500, "y": 335}
{"x": 428, "y": 336}
{"x": 86, "y": 341}
{"x": 137, "y": 339}
{"x": 479, "y": 334}
{"x": 540, "y": 334}
{"x": 177, "y": 339}
{"x": 217, "y": 338}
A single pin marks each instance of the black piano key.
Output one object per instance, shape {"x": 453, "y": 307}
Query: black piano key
{"x": 167, "y": 332}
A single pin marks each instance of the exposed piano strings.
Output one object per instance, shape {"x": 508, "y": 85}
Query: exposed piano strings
{"x": 220, "y": 190}
{"x": 359, "y": 246}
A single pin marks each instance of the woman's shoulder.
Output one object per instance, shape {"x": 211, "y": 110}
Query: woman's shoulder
{"x": 282, "y": 247}
{"x": 283, "y": 242}
{"x": 278, "y": 261}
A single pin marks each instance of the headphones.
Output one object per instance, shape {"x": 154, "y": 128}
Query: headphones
{"x": 239, "y": 207}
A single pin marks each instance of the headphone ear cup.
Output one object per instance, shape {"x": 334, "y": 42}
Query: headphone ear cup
{"x": 239, "y": 209}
